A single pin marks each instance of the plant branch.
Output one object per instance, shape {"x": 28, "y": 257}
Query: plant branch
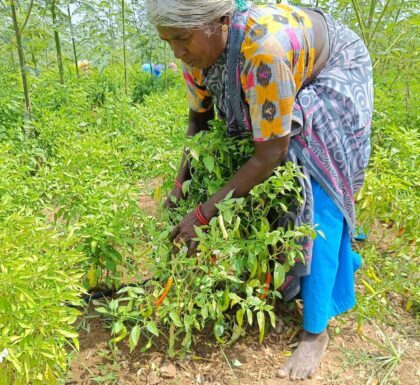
{"x": 27, "y": 16}
{"x": 389, "y": 48}
{"x": 371, "y": 12}
{"x": 359, "y": 19}
{"x": 371, "y": 35}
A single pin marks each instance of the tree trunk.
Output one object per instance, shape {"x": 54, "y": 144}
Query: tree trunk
{"x": 73, "y": 41}
{"x": 165, "y": 66}
{"x": 57, "y": 43}
{"x": 124, "y": 47}
{"x": 22, "y": 62}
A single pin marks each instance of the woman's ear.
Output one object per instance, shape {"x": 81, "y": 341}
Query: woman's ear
{"x": 224, "y": 20}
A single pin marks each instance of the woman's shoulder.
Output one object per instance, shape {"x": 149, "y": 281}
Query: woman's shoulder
{"x": 278, "y": 16}
{"x": 270, "y": 29}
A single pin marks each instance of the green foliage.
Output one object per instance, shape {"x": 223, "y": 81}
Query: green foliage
{"x": 75, "y": 187}
{"x": 70, "y": 180}
{"x": 144, "y": 84}
{"x": 388, "y": 207}
{"x": 39, "y": 278}
{"x": 10, "y": 107}
{"x": 394, "y": 164}
{"x": 386, "y": 279}
{"x": 227, "y": 284}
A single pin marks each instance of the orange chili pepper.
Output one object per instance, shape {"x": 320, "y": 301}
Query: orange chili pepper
{"x": 268, "y": 278}
{"x": 168, "y": 286}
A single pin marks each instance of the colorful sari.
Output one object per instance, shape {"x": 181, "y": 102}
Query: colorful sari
{"x": 329, "y": 119}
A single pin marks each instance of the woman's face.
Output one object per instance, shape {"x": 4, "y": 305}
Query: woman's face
{"x": 195, "y": 47}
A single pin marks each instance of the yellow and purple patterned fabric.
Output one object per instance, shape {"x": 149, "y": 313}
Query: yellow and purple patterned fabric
{"x": 277, "y": 56}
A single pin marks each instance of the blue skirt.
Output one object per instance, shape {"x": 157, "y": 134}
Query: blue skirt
{"x": 329, "y": 289}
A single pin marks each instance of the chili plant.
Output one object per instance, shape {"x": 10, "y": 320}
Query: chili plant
{"x": 240, "y": 264}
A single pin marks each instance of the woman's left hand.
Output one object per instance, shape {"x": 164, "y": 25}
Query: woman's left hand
{"x": 184, "y": 232}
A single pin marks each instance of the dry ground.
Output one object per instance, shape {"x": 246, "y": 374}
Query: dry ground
{"x": 353, "y": 357}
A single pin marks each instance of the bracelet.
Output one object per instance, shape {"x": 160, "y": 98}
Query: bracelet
{"x": 200, "y": 216}
{"x": 178, "y": 184}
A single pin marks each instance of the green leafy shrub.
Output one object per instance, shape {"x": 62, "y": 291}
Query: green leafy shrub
{"x": 92, "y": 175}
{"x": 227, "y": 284}
{"x": 39, "y": 277}
{"x": 391, "y": 191}
{"x": 388, "y": 205}
{"x": 10, "y": 106}
{"x": 18, "y": 164}
{"x": 144, "y": 84}
{"x": 90, "y": 192}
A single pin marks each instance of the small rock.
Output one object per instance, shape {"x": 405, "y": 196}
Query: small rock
{"x": 168, "y": 370}
{"x": 199, "y": 379}
{"x": 152, "y": 379}
{"x": 141, "y": 376}
{"x": 156, "y": 359}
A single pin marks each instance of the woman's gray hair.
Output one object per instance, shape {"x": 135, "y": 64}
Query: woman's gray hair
{"x": 188, "y": 14}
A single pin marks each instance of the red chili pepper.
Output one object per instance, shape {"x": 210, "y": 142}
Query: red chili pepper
{"x": 268, "y": 278}
{"x": 168, "y": 286}
{"x": 214, "y": 259}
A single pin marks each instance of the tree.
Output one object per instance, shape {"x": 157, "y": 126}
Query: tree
{"x": 57, "y": 41}
{"x": 73, "y": 40}
{"x": 124, "y": 47}
{"x": 22, "y": 62}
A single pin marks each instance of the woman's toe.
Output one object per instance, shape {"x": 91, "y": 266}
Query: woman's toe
{"x": 293, "y": 375}
{"x": 311, "y": 373}
{"x": 304, "y": 374}
{"x": 284, "y": 371}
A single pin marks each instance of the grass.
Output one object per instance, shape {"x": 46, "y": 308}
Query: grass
{"x": 380, "y": 365}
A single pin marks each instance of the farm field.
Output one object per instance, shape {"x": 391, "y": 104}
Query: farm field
{"x": 86, "y": 162}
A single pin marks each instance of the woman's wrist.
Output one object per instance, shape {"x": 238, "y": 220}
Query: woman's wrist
{"x": 208, "y": 210}
{"x": 200, "y": 216}
{"x": 178, "y": 184}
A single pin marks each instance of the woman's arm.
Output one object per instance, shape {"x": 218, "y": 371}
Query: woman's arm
{"x": 268, "y": 155}
{"x": 197, "y": 122}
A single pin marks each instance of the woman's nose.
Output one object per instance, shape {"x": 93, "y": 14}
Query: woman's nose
{"x": 178, "y": 50}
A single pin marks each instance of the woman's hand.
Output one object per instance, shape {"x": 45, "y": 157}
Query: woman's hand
{"x": 173, "y": 198}
{"x": 184, "y": 232}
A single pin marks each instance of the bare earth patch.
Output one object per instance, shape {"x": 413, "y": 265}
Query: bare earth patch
{"x": 350, "y": 360}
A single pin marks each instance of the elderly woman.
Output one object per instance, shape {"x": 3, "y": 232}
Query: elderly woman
{"x": 301, "y": 83}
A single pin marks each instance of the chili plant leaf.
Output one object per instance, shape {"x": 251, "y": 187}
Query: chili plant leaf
{"x": 279, "y": 275}
{"x": 152, "y": 328}
{"x": 134, "y": 337}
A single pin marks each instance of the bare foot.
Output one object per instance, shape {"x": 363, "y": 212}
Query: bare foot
{"x": 305, "y": 360}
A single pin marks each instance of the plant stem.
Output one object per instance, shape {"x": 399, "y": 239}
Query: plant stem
{"x": 57, "y": 43}
{"x": 73, "y": 41}
{"x": 124, "y": 47}
{"x": 21, "y": 55}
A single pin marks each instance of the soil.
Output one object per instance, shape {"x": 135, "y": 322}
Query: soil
{"x": 353, "y": 357}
